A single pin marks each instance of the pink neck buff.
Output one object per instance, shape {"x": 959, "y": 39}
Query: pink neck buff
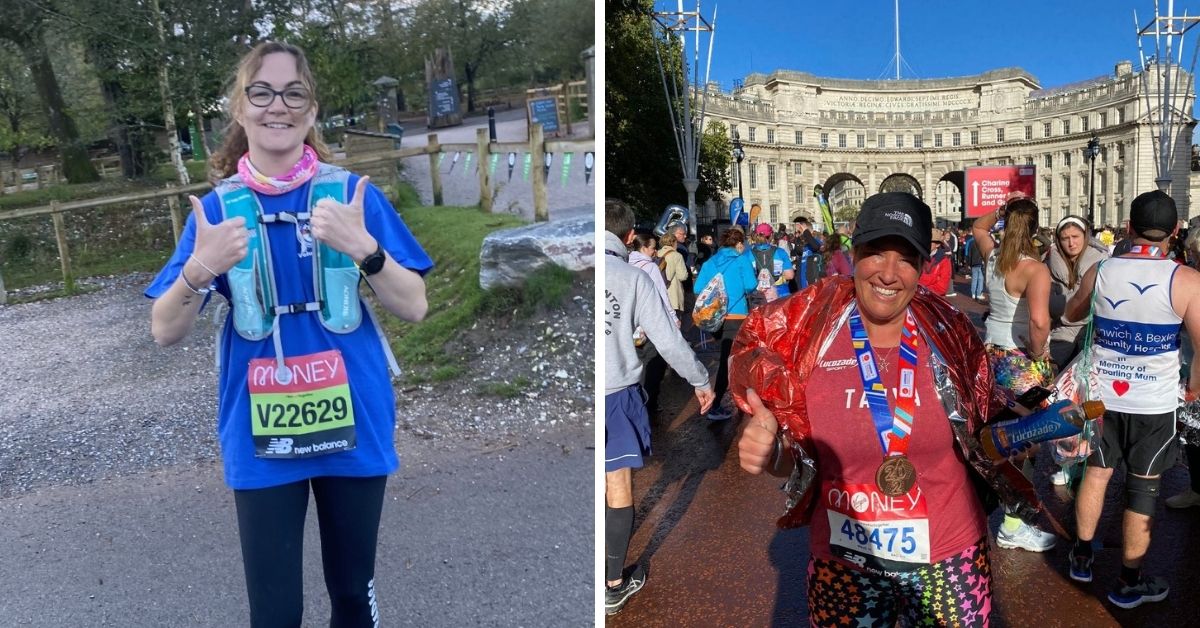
{"x": 300, "y": 173}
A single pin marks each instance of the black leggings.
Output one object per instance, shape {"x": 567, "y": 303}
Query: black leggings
{"x": 271, "y": 525}
{"x": 729, "y": 330}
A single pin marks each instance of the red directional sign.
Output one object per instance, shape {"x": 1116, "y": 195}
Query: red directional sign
{"x": 986, "y": 187}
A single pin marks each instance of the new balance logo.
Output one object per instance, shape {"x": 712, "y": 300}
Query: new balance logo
{"x": 279, "y": 446}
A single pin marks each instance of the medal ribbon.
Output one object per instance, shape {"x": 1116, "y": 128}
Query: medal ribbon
{"x": 1145, "y": 250}
{"x": 894, "y": 441}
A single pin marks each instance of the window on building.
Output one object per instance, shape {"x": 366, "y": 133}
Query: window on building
{"x": 774, "y": 210}
{"x": 1083, "y": 123}
{"x": 753, "y": 175}
{"x": 937, "y": 140}
{"x": 1120, "y": 115}
{"x": 899, "y": 141}
{"x": 770, "y": 136}
{"x": 956, "y": 139}
{"x": 1101, "y": 183}
{"x": 1066, "y": 127}
{"x": 1067, "y": 159}
{"x": 799, "y": 198}
{"x": 841, "y": 140}
{"x": 733, "y": 174}
{"x": 1045, "y": 129}
{"x": 770, "y": 176}
{"x": 800, "y": 137}
{"x": 999, "y": 135}
{"x": 918, "y": 141}
{"x": 1028, "y": 132}
{"x": 1103, "y": 119}
{"x": 1029, "y": 160}
{"x": 1120, "y": 183}
{"x": 752, "y": 130}
{"x": 1066, "y": 184}
{"x": 1120, "y": 151}
{"x": 1049, "y": 184}
{"x": 824, "y": 140}
{"x": 797, "y": 168}
{"x": 1049, "y": 161}
{"x": 862, "y": 140}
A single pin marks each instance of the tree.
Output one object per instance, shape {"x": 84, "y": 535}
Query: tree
{"x": 24, "y": 26}
{"x": 475, "y": 31}
{"x": 642, "y": 162}
{"x": 716, "y": 150}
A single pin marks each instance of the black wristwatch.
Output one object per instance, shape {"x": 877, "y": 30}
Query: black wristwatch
{"x": 372, "y": 263}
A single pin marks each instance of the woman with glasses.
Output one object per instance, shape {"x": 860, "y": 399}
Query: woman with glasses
{"x": 305, "y": 401}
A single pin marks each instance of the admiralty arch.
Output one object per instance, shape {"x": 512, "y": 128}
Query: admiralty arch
{"x": 857, "y": 137}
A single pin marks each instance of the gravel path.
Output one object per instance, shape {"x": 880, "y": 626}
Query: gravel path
{"x": 89, "y": 395}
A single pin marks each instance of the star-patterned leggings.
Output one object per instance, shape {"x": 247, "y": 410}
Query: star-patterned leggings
{"x": 954, "y": 592}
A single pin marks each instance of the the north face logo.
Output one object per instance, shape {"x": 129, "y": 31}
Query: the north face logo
{"x": 899, "y": 217}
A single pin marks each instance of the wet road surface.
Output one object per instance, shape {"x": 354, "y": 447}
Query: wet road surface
{"x": 705, "y": 530}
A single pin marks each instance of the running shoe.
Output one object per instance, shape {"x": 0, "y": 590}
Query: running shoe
{"x": 1026, "y": 537}
{"x": 616, "y": 597}
{"x": 1147, "y": 589}
{"x": 719, "y": 413}
{"x": 1186, "y": 499}
{"x": 1081, "y": 566}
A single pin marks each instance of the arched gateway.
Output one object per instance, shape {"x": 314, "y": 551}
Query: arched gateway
{"x": 799, "y": 130}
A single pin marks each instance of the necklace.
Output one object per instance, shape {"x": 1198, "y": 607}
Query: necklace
{"x": 885, "y": 358}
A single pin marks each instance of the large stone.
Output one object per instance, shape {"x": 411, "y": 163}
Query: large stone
{"x": 511, "y": 255}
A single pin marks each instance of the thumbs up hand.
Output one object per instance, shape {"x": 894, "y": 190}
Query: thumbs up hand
{"x": 342, "y": 226}
{"x": 221, "y": 246}
{"x": 757, "y": 442}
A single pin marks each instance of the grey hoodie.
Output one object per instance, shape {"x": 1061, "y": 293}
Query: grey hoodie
{"x": 1060, "y": 292}
{"x": 631, "y": 301}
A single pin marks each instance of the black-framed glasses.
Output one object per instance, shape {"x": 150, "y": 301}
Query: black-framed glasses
{"x": 293, "y": 97}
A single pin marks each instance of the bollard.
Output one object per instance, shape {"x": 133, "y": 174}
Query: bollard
{"x": 491, "y": 124}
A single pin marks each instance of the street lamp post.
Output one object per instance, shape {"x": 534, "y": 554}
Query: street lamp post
{"x": 739, "y": 155}
{"x": 1090, "y": 153}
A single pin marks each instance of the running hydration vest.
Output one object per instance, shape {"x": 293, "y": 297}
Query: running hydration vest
{"x": 253, "y": 294}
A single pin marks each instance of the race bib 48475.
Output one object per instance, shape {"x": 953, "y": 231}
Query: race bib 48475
{"x": 311, "y": 415}
{"x": 874, "y": 531}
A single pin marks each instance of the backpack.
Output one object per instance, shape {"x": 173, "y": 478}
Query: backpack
{"x": 711, "y": 306}
{"x": 812, "y": 268}
{"x": 765, "y": 258}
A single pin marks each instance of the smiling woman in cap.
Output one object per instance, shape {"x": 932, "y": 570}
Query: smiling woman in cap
{"x": 851, "y": 385}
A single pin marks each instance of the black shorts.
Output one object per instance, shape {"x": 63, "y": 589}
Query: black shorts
{"x": 1145, "y": 442}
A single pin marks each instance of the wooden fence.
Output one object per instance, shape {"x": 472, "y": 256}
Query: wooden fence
{"x": 176, "y": 196}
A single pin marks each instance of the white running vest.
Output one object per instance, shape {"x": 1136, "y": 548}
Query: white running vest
{"x": 1137, "y": 336}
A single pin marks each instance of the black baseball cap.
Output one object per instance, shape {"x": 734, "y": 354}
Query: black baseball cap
{"x": 1153, "y": 216}
{"x": 895, "y": 214}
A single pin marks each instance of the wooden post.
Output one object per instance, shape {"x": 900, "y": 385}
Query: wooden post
{"x": 177, "y": 220}
{"x": 565, "y": 98}
{"x": 64, "y": 256}
{"x": 485, "y": 178}
{"x": 541, "y": 211}
{"x": 3, "y": 293}
{"x": 435, "y": 175}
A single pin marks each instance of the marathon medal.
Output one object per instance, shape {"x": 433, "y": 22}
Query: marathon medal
{"x": 896, "y": 474}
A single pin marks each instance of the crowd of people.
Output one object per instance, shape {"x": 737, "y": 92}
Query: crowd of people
{"x": 804, "y": 307}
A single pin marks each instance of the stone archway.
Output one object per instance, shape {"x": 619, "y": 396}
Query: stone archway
{"x": 943, "y": 193}
{"x": 845, "y": 193}
{"x": 901, "y": 182}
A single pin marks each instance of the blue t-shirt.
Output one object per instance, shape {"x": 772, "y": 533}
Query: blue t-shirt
{"x": 371, "y": 392}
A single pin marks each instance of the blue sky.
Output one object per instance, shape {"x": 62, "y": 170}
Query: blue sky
{"x": 1059, "y": 41}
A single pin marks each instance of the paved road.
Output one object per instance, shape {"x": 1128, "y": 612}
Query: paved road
{"x": 705, "y": 529}
{"x": 469, "y": 537}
